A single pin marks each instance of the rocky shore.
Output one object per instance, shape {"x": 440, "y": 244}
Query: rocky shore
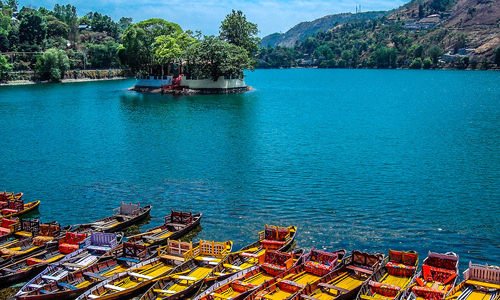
{"x": 187, "y": 91}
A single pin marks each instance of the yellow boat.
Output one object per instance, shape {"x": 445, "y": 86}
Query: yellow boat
{"x": 316, "y": 265}
{"x": 190, "y": 275}
{"x": 345, "y": 282}
{"x": 392, "y": 278}
{"x": 240, "y": 285}
{"x": 146, "y": 273}
{"x": 47, "y": 232}
{"x": 18, "y": 208}
{"x": 272, "y": 238}
{"x": 436, "y": 279}
{"x": 481, "y": 282}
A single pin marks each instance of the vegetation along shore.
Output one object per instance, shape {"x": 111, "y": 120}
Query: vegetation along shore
{"x": 40, "y": 45}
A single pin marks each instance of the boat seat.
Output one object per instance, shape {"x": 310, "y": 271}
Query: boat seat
{"x": 48, "y": 277}
{"x": 128, "y": 259}
{"x": 484, "y": 284}
{"x": 140, "y": 275}
{"x": 94, "y": 275}
{"x": 114, "y": 287}
{"x": 71, "y": 265}
{"x": 98, "y": 248}
{"x": 333, "y": 287}
{"x": 44, "y": 292}
{"x": 66, "y": 285}
{"x": 358, "y": 269}
{"x": 164, "y": 291}
{"x": 92, "y": 296}
{"x": 9, "y": 270}
{"x": 232, "y": 267}
{"x": 150, "y": 237}
{"x": 35, "y": 286}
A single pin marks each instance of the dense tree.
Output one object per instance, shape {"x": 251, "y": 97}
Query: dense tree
{"x": 170, "y": 48}
{"x": 427, "y": 63}
{"x": 57, "y": 28}
{"x": 212, "y": 58}
{"x": 137, "y": 51}
{"x": 104, "y": 23}
{"x": 416, "y": 63}
{"x": 53, "y": 65}
{"x": 32, "y": 27}
{"x": 13, "y": 4}
{"x": 4, "y": 40}
{"x": 236, "y": 30}
{"x": 435, "y": 53}
{"x": 124, "y": 23}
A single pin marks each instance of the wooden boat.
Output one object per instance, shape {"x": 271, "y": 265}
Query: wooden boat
{"x": 17, "y": 208}
{"x": 25, "y": 268}
{"x": 98, "y": 244}
{"x": 24, "y": 247}
{"x": 176, "y": 225}
{"x": 8, "y": 226}
{"x": 25, "y": 229}
{"x": 123, "y": 216}
{"x": 436, "y": 279}
{"x": 6, "y": 196}
{"x": 344, "y": 282}
{"x": 271, "y": 264}
{"x": 392, "y": 278}
{"x": 273, "y": 237}
{"x": 128, "y": 283}
{"x": 73, "y": 284}
{"x": 316, "y": 265}
{"x": 481, "y": 282}
{"x": 202, "y": 260}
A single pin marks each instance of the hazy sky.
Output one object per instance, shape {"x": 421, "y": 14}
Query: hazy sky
{"x": 206, "y": 15}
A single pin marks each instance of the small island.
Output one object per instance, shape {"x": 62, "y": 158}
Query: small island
{"x": 166, "y": 59}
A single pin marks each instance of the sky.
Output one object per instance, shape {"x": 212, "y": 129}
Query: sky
{"x": 206, "y": 15}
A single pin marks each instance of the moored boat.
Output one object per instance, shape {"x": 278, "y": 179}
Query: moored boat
{"x": 16, "y": 208}
{"x": 316, "y": 265}
{"x": 389, "y": 281}
{"x": 176, "y": 225}
{"x": 8, "y": 226}
{"x": 481, "y": 282}
{"x": 202, "y": 260}
{"x": 98, "y": 244}
{"x": 270, "y": 264}
{"x": 20, "y": 269}
{"x": 344, "y": 282}
{"x": 123, "y": 217}
{"x": 436, "y": 279}
{"x": 273, "y": 238}
{"x": 23, "y": 247}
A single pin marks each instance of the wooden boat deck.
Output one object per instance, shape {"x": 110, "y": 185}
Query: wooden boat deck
{"x": 198, "y": 273}
{"x": 346, "y": 281}
{"x": 130, "y": 282}
{"x": 256, "y": 279}
{"x": 400, "y": 281}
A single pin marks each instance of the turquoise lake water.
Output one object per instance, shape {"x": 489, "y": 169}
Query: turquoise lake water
{"x": 357, "y": 159}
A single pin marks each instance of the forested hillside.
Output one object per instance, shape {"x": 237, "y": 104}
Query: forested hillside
{"x": 420, "y": 34}
{"x": 305, "y": 29}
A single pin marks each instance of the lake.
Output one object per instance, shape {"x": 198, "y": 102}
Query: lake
{"x": 357, "y": 159}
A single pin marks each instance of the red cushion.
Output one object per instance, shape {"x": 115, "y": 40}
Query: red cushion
{"x": 4, "y": 231}
{"x": 8, "y": 211}
{"x": 7, "y": 222}
{"x": 270, "y": 244}
{"x": 67, "y": 248}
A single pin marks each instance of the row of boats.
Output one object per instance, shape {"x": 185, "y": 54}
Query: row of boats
{"x": 92, "y": 261}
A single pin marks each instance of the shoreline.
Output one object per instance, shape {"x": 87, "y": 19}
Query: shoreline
{"x": 29, "y": 82}
{"x": 187, "y": 91}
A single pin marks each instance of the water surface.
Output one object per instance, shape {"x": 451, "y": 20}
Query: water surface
{"x": 357, "y": 159}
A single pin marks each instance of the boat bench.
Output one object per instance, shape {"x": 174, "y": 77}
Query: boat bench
{"x": 98, "y": 248}
{"x": 164, "y": 291}
{"x": 48, "y": 277}
{"x": 333, "y": 287}
{"x": 44, "y": 292}
{"x": 35, "y": 286}
{"x": 354, "y": 268}
{"x": 94, "y": 275}
{"x": 175, "y": 224}
{"x": 128, "y": 259}
{"x": 150, "y": 237}
{"x": 140, "y": 275}
{"x": 66, "y": 285}
{"x": 114, "y": 287}
{"x": 9, "y": 270}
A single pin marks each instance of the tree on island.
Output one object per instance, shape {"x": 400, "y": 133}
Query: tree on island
{"x": 229, "y": 54}
{"x": 137, "y": 51}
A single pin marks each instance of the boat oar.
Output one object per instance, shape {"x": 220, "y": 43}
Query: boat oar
{"x": 147, "y": 232}
{"x": 171, "y": 275}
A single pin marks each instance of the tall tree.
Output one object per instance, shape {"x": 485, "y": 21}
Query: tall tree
{"x": 137, "y": 51}
{"x": 32, "y": 27}
{"x": 53, "y": 65}
{"x": 236, "y": 30}
{"x": 13, "y": 4}
{"x": 5, "y": 67}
